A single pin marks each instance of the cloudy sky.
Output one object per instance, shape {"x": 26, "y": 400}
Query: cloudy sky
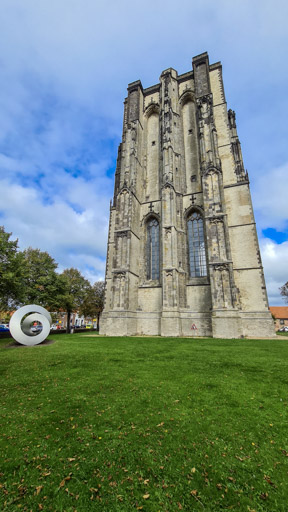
{"x": 64, "y": 70}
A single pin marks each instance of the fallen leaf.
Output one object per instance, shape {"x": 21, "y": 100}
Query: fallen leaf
{"x": 65, "y": 480}
{"x": 268, "y": 480}
{"x": 146, "y": 496}
{"x": 39, "y": 489}
{"x": 194, "y": 492}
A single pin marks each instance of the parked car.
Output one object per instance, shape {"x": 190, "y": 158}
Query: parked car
{"x": 4, "y": 327}
{"x": 36, "y": 328}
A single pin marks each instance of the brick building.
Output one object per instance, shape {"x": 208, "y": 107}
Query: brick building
{"x": 183, "y": 256}
{"x": 280, "y": 314}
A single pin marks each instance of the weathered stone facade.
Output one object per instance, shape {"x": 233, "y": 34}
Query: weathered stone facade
{"x": 183, "y": 256}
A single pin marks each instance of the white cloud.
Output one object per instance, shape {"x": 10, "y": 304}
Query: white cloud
{"x": 65, "y": 66}
{"x": 274, "y": 258}
{"x": 270, "y": 198}
{"x": 71, "y": 238}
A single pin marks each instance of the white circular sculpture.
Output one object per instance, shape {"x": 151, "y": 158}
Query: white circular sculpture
{"x": 21, "y": 329}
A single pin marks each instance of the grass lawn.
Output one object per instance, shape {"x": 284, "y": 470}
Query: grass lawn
{"x": 151, "y": 424}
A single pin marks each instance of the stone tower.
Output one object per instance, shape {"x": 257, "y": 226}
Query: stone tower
{"x": 183, "y": 256}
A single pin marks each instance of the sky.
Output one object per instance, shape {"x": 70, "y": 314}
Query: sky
{"x": 64, "y": 70}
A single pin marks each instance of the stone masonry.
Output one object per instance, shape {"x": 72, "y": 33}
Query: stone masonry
{"x": 183, "y": 257}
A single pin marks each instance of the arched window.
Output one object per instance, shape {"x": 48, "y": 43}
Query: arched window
{"x": 153, "y": 249}
{"x": 196, "y": 246}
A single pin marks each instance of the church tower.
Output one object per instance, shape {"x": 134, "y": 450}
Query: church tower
{"x": 183, "y": 256}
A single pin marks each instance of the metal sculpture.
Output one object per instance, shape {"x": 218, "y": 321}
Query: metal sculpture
{"x": 21, "y": 324}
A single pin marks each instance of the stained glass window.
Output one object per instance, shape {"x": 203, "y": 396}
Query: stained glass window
{"x": 153, "y": 249}
{"x": 196, "y": 246}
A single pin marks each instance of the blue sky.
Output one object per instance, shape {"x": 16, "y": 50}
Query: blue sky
{"x": 64, "y": 70}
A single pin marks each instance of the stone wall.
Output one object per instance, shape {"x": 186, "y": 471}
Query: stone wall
{"x": 180, "y": 157}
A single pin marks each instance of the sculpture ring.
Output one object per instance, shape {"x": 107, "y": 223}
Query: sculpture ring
{"x": 20, "y": 324}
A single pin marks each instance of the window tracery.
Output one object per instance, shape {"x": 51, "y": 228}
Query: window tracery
{"x": 153, "y": 260}
{"x": 196, "y": 246}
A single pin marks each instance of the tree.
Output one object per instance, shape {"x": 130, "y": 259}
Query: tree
{"x": 76, "y": 288}
{"x": 94, "y": 301}
{"x": 40, "y": 281}
{"x": 284, "y": 291}
{"x": 11, "y": 269}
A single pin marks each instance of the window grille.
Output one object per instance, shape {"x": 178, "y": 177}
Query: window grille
{"x": 196, "y": 246}
{"x": 153, "y": 249}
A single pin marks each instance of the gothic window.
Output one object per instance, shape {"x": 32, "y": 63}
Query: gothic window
{"x": 196, "y": 246}
{"x": 153, "y": 249}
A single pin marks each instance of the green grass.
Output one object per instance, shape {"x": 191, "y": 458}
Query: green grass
{"x": 282, "y": 333}
{"x": 151, "y": 424}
